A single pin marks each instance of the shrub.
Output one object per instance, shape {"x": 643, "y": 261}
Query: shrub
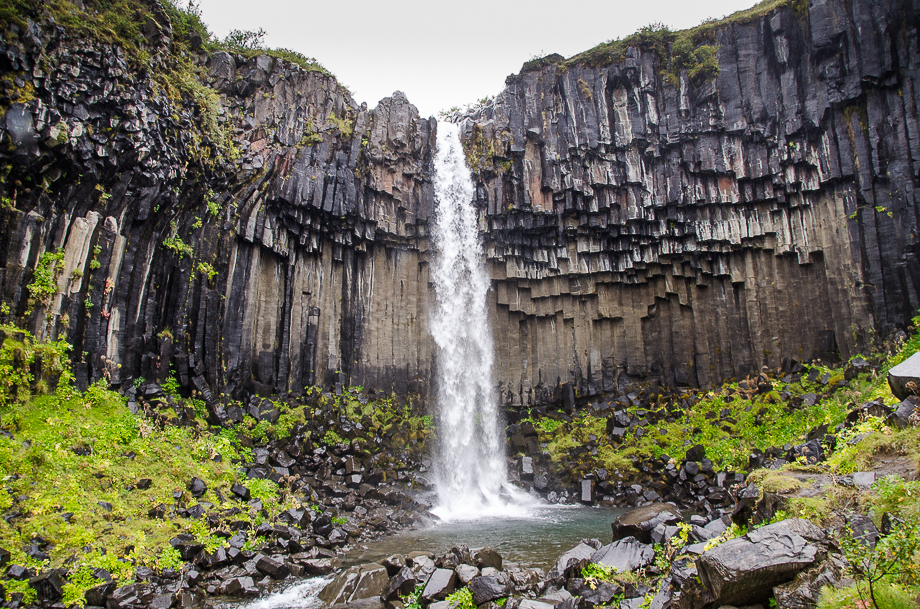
{"x": 45, "y": 277}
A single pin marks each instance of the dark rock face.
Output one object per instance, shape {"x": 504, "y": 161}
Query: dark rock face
{"x": 635, "y": 230}
{"x": 696, "y": 232}
{"x": 316, "y": 232}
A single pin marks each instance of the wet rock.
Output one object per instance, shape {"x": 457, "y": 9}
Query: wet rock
{"x": 570, "y": 562}
{"x": 640, "y": 522}
{"x": 486, "y": 557}
{"x": 904, "y": 379}
{"x": 401, "y": 584}
{"x": 359, "y": 582}
{"x": 624, "y": 555}
{"x": 490, "y": 587}
{"x": 394, "y": 563}
{"x": 745, "y": 569}
{"x": 441, "y": 583}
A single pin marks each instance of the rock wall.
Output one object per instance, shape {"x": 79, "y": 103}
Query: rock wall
{"x": 294, "y": 257}
{"x": 688, "y": 234}
{"x": 257, "y": 231}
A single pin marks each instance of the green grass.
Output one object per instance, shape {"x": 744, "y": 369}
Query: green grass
{"x": 677, "y": 49}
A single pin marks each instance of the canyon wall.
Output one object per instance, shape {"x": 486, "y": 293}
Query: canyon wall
{"x": 642, "y": 224}
{"x": 257, "y": 231}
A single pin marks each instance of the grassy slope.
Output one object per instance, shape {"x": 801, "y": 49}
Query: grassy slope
{"x": 63, "y": 452}
{"x": 730, "y": 421}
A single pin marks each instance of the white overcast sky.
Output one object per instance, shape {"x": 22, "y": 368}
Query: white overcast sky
{"x": 445, "y": 54}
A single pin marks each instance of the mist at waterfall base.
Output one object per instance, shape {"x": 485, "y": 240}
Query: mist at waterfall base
{"x": 470, "y": 469}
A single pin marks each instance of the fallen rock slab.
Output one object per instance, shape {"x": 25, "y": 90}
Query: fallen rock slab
{"x": 746, "y": 569}
{"x": 360, "y": 582}
{"x": 624, "y": 555}
{"x": 571, "y": 561}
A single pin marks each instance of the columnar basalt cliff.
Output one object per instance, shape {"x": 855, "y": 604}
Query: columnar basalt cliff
{"x": 690, "y": 233}
{"x": 294, "y": 257}
{"x": 256, "y": 231}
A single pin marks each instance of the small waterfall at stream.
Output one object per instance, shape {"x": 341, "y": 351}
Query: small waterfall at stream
{"x": 470, "y": 465}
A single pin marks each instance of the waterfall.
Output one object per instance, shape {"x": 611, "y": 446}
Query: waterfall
{"x": 470, "y": 468}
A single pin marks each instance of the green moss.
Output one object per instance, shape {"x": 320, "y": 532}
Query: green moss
{"x": 345, "y": 126}
{"x": 691, "y": 49}
{"x": 44, "y": 279}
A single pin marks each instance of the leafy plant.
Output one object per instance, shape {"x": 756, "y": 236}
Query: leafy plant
{"x": 77, "y": 584}
{"x": 595, "y": 573}
{"x": 891, "y": 558}
{"x": 332, "y": 438}
{"x": 45, "y": 277}
{"x": 413, "y": 599}
{"x": 212, "y": 204}
{"x": 461, "y": 599}
{"x": 176, "y": 244}
{"x": 206, "y": 269}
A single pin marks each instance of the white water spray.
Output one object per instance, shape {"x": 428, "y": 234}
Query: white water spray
{"x": 470, "y": 468}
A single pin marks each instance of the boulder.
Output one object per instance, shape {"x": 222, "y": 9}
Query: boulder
{"x": 240, "y": 491}
{"x": 804, "y": 591}
{"x": 49, "y": 585}
{"x": 197, "y": 487}
{"x": 904, "y": 379}
{"x": 359, "y": 582}
{"x": 902, "y": 415}
{"x": 600, "y": 594}
{"x": 572, "y": 561}
{"x": 640, "y": 522}
{"x": 276, "y": 569}
{"x": 490, "y": 587}
{"x": 394, "y": 563}
{"x": 745, "y": 569}
{"x": 624, "y": 555}
{"x": 486, "y": 557}
{"x": 400, "y": 584}
{"x": 465, "y": 573}
{"x": 441, "y": 583}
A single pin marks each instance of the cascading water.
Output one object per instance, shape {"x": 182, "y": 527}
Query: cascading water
{"x": 470, "y": 466}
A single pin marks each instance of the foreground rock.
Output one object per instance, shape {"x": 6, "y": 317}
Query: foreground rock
{"x": 366, "y": 581}
{"x": 904, "y": 379}
{"x": 745, "y": 569}
{"x": 624, "y": 555}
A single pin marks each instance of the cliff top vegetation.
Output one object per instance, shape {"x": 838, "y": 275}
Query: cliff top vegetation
{"x": 693, "y": 50}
